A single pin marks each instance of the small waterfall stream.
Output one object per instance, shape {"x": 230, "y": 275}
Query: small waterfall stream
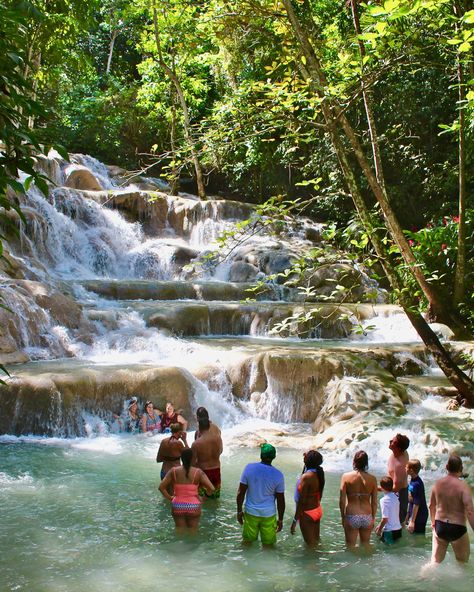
{"x": 111, "y": 295}
{"x": 127, "y": 265}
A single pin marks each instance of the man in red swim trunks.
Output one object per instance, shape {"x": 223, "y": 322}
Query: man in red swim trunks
{"x": 207, "y": 449}
{"x": 450, "y": 505}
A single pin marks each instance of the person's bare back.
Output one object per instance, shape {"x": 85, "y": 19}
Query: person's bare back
{"x": 453, "y": 501}
{"x": 169, "y": 452}
{"x": 450, "y": 506}
{"x": 207, "y": 448}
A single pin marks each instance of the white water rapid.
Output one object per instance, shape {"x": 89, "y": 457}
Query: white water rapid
{"x": 112, "y": 292}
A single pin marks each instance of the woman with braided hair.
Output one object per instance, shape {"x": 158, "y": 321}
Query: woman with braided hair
{"x": 308, "y": 494}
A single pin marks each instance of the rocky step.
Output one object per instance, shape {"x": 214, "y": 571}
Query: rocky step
{"x": 314, "y": 386}
{"x": 181, "y": 290}
{"x": 219, "y": 318}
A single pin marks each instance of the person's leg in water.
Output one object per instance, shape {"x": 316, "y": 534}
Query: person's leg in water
{"x": 364, "y": 534}
{"x": 251, "y": 529}
{"x": 180, "y": 523}
{"x": 350, "y": 534}
{"x": 462, "y": 548}
{"x": 439, "y": 549}
{"x": 192, "y": 523}
{"x": 267, "y": 527}
{"x": 310, "y": 530}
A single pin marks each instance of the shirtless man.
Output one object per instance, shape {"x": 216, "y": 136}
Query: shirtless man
{"x": 450, "y": 505}
{"x": 169, "y": 452}
{"x": 207, "y": 449}
{"x": 397, "y": 463}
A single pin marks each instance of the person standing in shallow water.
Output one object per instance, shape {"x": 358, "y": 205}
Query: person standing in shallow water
{"x": 169, "y": 452}
{"x": 260, "y": 486}
{"x": 397, "y": 463}
{"x": 417, "y": 508}
{"x": 308, "y": 494}
{"x": 450, "y": 505}
{"x": 207, "y": 449}
{"x": 358, "y": 501}
{"x": 184, "y": 482}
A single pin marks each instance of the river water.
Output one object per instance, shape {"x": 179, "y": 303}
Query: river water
{"x": 84, "y": 513}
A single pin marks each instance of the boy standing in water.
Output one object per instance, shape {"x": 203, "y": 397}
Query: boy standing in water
{"x": 417, "y": 509}
{"x": 389, "y": 528}
{"x": 397, "y": 470}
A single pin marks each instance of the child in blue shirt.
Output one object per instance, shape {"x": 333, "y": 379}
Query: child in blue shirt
{"x": 417, "y": 509}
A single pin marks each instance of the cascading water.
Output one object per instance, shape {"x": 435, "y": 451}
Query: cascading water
{"x": 77, "y": 235}
{"x": 114, "y": 299}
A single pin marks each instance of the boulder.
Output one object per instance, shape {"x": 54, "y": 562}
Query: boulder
{"x": 80, "y": 177}
{"x": 442, "y": 331}
{"x": 242, "y": 272}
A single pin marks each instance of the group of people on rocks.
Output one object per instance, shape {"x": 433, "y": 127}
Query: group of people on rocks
{"x": 191, "y": 473}
{"x": 151, "y": 419}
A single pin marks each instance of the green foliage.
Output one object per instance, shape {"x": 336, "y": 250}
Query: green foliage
{"x": 16, "y": 107}
{"x": 435, "y": 247}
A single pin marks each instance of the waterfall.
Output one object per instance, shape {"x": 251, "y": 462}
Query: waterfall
{"x": 155, "y": 305}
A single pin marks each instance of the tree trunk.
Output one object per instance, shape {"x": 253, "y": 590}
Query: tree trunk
{"x": 113, "y": 37}
{"x": 182, "y": 100}
{"x": 367, "y": 95}
{"x": 459, "y": 283}
{"x": 174, "y": 182}
{"x": 438, "y": 309}
{"x": 313, "y": 74}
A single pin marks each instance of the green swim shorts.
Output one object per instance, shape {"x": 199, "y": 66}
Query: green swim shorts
{"x": 255, "y": 524}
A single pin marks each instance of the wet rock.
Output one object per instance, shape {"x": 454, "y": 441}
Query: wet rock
{"x": 351, "y": 397}
{"x": 274, "y": 262}
{"x": 313, "y": 234}
{"x": 243, "y": 272}
{"x": 184, "y": 255}
{"x": 52, "y": 404}
{"x": 442, "y": 331}
{"x": 80, "y": 177}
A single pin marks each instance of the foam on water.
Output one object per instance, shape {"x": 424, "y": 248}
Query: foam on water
{"x": 394, "y": 328}
{"x": 9, "y": 482}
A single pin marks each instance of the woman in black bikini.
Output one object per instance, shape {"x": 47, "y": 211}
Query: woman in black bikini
{"x": 169, "y": 452}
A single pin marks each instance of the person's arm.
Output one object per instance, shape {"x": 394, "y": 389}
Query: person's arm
{"x": 374, "y": 499}
{"x": 383, "y": 511}
{"x": 299, "y": 504}
{"x": 183, "y": 437}
{"x": 159, "y": 454}
{"x": 414, "y": 498}
{"x": 163, "y": 487}
{"x": 183, "y": 422}
{"x": 280, "y": 499}
{"x": 240, "y": 500}
{"x": 204, "y": 482}
{"x": 380, "y": 526}
{"x": 467, "y": 501}
{"x": 143, "y": 423}
{"x": 343, "y": 499}
{"x": 411, "y": 524}
{"x": 433, "y": 506}
{"x": 194, "y": 458}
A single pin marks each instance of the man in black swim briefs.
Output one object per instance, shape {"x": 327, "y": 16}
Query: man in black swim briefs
{"x": 450, "y": 505}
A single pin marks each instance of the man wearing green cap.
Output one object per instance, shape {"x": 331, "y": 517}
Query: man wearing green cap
{"x": 260, "y": 485}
